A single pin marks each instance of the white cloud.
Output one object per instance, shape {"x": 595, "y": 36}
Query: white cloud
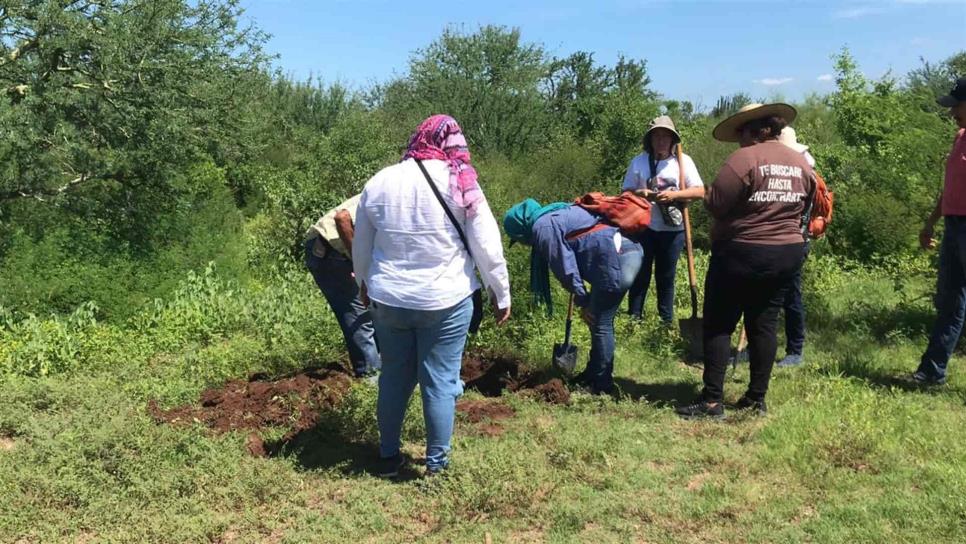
{"x": 856, "y": 12}
{"x": 772, "y": 81}
{"x": 825, "y": 77}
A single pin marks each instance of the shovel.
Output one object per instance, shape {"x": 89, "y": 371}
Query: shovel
{"x": 692, "y": 329}
{"x": 565, "y": 355}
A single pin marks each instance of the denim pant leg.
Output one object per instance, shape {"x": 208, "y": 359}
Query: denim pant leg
{"x": 642, "y": 280}
{"x": 397, "y": 335}
{"x": 604, "y": 306}
{"x": 950, "y": 300}
{"x": 333, "y": 275}
{"x": 795, "y": 315}
{"x": 440, "y": 355}
{"x": 665, "y": 269}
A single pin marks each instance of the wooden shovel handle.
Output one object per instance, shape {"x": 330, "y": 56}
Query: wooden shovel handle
{"x": 692, "y": 275}
{"x": 570, "y": 320}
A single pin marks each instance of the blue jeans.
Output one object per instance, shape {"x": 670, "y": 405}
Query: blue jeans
{"x": 795, "y": 315}
{"x": 661, "y": 251}
{"x": 950, "y": 299}
{"x": 425, "y": 347}
{"x": 604, "y": 306}
{"x": 333, "y": 275}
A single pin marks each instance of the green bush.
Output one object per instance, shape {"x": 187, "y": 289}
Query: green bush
{"x": 32, "y": 346}
{"x": 74, "y": 261}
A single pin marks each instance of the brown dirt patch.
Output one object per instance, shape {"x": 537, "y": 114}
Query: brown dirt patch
{"x": 477, "y": 411}
{"x": 493, "y": 374}
{"x": 485, "y": 415}
{"x": 293, "y": 401}
{"x": 6, "y": 443}
{"x": 296, "y": 401}
{"x": 554, "y": 392}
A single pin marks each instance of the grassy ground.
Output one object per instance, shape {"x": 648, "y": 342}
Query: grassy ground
{"x": 847, "y": 453}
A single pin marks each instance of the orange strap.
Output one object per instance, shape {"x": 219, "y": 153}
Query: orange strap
{"x": 582, "y": 232}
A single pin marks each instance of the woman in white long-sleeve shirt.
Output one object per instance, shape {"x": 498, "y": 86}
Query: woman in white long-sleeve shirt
{"x": 410, "y": 260}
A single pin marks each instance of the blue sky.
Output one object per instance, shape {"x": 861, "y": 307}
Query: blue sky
{"x": 695, "y": 50}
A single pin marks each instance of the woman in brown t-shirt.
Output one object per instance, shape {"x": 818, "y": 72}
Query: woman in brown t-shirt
{"x": 758, "y": 203}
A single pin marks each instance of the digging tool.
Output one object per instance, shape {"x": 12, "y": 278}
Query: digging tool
{"x": 565, "y": 355}
{"x": 692, "y": 328}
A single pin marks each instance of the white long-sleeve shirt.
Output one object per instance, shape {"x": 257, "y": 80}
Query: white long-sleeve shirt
{"x": 410, "y": 255}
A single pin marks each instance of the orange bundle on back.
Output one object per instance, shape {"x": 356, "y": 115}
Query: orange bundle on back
{"x": 627, "y": 211}
{"x": 821, "y": 213}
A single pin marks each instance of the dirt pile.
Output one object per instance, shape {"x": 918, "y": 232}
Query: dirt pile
{"x": 293, "y": 402}
{"x": 490, "y": 375}
{"x": 485, "y": 415}
{"x": 296, "y": 401}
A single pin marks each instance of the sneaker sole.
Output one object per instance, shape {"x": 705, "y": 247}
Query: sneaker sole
{"x": 716, "y": 417}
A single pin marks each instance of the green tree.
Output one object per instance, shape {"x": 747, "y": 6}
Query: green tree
{"x": 488, "y": 80}
{"x": 119, "y": 94}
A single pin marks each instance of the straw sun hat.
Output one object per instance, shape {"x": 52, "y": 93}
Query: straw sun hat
{"x": 727, "y": 130}
{"x": 789, "y": 138}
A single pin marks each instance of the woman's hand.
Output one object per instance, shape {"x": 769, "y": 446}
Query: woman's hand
{"x": 667, "y": 197}
{"x": 926, "y": 240}
{"x": 501, "y": 314}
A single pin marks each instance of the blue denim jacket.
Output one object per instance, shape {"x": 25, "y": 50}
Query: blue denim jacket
{"x": 591, "y": 257}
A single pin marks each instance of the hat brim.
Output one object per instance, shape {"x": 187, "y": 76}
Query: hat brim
{"x": 646, "y": 140}
{"x": 669, "y": 129}
{"x": 948, "y": 101}
{"x": 727, "y": 130}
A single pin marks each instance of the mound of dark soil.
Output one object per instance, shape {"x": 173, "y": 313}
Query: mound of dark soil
{"x": 293, "y": 401}
{"x": 296, "y": 401}
{"x": 485, "y": 415}
{"x": 492, "y": 374}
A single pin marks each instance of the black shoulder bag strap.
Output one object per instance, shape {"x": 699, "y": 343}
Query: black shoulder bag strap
{"x": 809, "y": 203}
{"x": 478, "y": 294}
{"x": 652, "y": 179}
{"x": 449, "y": 213}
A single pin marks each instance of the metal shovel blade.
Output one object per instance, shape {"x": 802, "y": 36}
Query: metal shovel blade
{"x": 692, "y": 331}
{"x": 565, "y": 357}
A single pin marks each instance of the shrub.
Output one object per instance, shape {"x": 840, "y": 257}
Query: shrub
{"x": 32, "y": 346}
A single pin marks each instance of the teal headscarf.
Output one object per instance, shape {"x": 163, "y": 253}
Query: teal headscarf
{"x": 518, "y": 224}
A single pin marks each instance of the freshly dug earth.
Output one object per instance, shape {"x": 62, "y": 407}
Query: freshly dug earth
{"x": 294, "y": 401}
{"x": 485, "y": 415}
{"x": 491, "y": 375}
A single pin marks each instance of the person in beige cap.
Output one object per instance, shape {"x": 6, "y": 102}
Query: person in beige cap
{"x": 757, "y": 204}
{"x": 328, "y": 256}
{"x": 656, "y": 175}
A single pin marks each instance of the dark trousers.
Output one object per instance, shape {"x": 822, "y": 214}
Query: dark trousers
{"x": 950, "y": 300}
{"x": 795, "y": 315}
{"x": 661, "y": 252}
{"x": 333, "y": 275}
{"x": 748, "y": 280}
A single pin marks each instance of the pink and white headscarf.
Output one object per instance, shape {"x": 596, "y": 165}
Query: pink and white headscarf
{"x": 440, "y": 137}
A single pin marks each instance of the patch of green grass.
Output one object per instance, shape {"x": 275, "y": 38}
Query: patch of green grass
{"x": 848, "y": 453}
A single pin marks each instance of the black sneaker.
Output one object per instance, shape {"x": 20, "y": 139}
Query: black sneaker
{"x": 744, "y": 403}
{"x": 921, "y": 378}
{"x": 701, "y": 409}
{"x": 388, "y": 467}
